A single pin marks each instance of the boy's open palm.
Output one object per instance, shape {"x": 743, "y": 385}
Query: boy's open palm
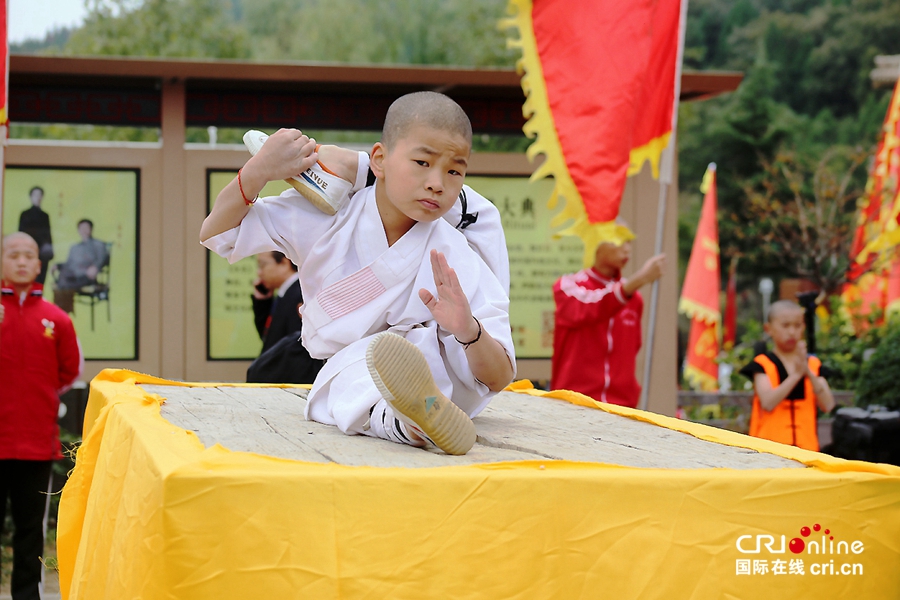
{"x": 450, "y": 308}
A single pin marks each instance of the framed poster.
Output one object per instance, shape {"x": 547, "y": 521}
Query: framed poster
{"x": 230, "y": 331}
{"x": 86, "y": 224}
{"x": 536, "y": 260}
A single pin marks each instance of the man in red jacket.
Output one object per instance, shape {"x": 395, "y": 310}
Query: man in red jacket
{"x": 39, "y": 359}
{"x": 597, "y": 331}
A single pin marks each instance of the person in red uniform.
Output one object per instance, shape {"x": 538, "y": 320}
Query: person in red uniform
{"x": 788, "y": 384}
{"x": 597, "y": 331}
{"x": 39, "y": 359}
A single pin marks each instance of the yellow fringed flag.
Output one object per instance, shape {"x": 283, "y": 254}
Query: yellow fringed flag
{"x": 4, "y": 62}
{"x": 873, "y": 257}
{"x": 700, "y": 294}
{"x": 600, "y": 80}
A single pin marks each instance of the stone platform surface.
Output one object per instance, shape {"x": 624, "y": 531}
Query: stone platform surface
{"x": 514, "y": 427}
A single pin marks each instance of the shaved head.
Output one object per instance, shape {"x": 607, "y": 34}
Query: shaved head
{"x": 18, "y": 235}
{"x": 783, "y": 307}
{"x": 424, "y": 108}
{"x": 21, "y": 264}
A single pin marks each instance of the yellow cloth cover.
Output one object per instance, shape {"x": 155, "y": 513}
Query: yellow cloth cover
{"x": 150, "y": 513}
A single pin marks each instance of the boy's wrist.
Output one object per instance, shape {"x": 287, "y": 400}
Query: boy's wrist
{"x": 472, "y": 335}
{"x": 253, "y": 179}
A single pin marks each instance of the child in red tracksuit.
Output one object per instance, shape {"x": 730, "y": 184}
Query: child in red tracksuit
{"x": 39, "y": 359}
{"x": 597, "y": 331}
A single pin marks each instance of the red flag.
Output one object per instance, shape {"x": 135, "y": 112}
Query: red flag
{"x": 882, "y": 189}
{"x": 873, "y": 258}
{"x": 700, "y": 294}
{"x": 701, "y": 369}
{"x": 729, "y": 330}
{"x": 4, "y": 61}
{"x": 892, "y": 281}
{"x": 600, "y": 80}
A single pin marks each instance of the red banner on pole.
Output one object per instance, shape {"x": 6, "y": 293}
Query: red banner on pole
{"x": 873, "y": 257}
{"x": 4, "y": 61}
{"x": 600, "y": 80}
{"x": 700, "y": 293}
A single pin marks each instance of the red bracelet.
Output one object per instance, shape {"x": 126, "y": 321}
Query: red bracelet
{"x": 241, "y": 187}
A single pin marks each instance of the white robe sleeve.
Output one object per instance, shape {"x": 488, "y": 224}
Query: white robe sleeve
{"x": 287, "y": 223}
{"x": 485, "y": 234}
{"x": 362, "y": 173}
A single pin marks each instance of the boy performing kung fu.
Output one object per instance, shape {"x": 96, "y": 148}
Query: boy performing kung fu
{"x": 415, "y": 347}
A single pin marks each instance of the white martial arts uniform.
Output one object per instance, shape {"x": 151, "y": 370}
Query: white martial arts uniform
{"x": 355, "y": 286}
{"x": 475, "y": 216}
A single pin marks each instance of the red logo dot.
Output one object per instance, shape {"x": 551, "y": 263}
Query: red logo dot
{"x": 804, "y": 531}
{"x": 817, "y": 527}
{"x": 831, "y": 537}
{"x": 827, "y": 531}
{"x": 797, "y": 545}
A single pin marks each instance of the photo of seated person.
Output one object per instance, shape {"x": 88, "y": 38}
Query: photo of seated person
{"x": 86, "y": 259}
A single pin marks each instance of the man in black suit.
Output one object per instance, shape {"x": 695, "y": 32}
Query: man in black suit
{"x": 36, "y": 223}
{"x": 276, "y": 312}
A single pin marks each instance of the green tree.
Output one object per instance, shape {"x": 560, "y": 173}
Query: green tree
{"x": 172, "y": 28}
{"x": 802, "y": 214}
{"x": 443, "y": 32}
{"x": 877, "y": 383}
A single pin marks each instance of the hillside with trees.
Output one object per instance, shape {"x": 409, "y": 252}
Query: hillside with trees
{"x": 804, "y": 114}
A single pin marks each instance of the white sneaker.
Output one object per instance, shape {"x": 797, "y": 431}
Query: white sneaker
{"x": 402, "y": 375}
{"x": 325, "y": 190}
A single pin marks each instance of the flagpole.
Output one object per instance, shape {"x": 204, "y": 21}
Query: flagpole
{"x": 667, "y": 169}
{"x": 654, "y": 293}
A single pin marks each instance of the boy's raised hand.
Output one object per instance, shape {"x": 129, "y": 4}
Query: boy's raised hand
{"x": 802, "y": 359}
{"x": 451, "y": 308}
{"x": 651, "y": 271}
{"x": 286, "y": 153}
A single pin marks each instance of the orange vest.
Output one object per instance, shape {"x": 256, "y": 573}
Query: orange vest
{"x": 792, "y": 422}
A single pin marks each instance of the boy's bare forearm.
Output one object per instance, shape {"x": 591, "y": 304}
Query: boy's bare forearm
{"x": 651, "y": 271}
{"x": 489, "y": 362}
{"x": 285, "y": 153}
{"x": 770, "y": 398}
{"x": 229, "y": 208}
{"x": 824, "y": 397}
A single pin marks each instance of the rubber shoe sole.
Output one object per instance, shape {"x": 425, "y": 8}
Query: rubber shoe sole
{"x": 324, "y": 190}
{"x": 401, "y": 374}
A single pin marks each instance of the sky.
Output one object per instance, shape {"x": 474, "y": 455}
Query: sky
{"x": 30, "y": 19}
